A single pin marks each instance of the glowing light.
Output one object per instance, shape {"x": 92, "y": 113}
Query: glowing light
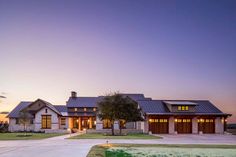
{"x": 176, "y": 120}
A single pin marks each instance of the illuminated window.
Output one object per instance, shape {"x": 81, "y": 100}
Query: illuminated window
{"x": 179, "y": 108}
{"x": 106, "y": 124}
{"x": 85, "y": 109}
{"x": 165, "y": 120}
{"x": 76, "y": 109}
{"x": 46, "y": 121}
{"x": 151, "y": 120}
{"x": 94, "y": 109}
{"x": 182, "y": 108}
{"x": 63, "y": 121}
{"x": 122, "y": 123}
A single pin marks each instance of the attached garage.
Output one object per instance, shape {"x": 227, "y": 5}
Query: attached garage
{"x": 158, "y": 125}
{"x": 183, "y": 126}
{"x": 207, "y": 126}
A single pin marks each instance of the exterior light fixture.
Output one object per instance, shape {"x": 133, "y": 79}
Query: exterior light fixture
{"x": 95, "y": 122}
{"x": 201, "y": 120}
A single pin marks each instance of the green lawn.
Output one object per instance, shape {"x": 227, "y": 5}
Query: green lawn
{"x": 156, "y": 150}
{"x": 30, "y": 136}
{"x": 101, "y": 136}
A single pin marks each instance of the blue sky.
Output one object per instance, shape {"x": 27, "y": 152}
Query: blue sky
{"x": 164, "y": 49}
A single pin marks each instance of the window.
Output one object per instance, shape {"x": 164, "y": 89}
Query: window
{"x": 17, "y": 121}
{"x": 75, "y": 109}
{"x": 46, "y": 110}
{"x": 122, "y": 124}
{"x": 94, "y": 109}
{"x": 63, "y": 121}
{"x": 106, "y": 124}
{"x": 182, "y": 108}
{"x": 46, "y": 121}
{"x": 85, "y": 109}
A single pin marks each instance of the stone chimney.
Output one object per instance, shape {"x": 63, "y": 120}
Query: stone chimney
{"x": 73, "y": 94}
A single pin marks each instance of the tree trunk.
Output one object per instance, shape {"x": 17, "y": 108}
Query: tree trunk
{"x": 25, "y": 128}
{"x": 112, "y": 129}
{"x": 120, "y": 127}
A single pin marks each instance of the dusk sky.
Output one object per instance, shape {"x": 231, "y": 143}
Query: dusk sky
{"x": 164, "y": 49}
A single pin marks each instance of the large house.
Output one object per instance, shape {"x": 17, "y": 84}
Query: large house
{"x": 161, "y": 116}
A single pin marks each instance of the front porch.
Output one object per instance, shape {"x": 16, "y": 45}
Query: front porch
{"x": 82, "y": 123}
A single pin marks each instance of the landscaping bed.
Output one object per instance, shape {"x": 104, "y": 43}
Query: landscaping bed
{"x": 104, "y": 136}
{"x": 154, "y": 150}
{"x": 28, "y": 136}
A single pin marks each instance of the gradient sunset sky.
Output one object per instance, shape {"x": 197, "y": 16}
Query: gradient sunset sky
{"x": 164, "y": 49}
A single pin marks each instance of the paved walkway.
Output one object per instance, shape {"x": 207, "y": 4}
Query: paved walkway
{"x": 61, "y": 147}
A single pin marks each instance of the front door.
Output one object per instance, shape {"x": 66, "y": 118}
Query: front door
{"x": 84, "y": 123}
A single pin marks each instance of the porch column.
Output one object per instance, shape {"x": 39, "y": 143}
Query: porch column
{"x": 70, "y": 123}
{"x": 194, "y": 125}
{"x": 90, "y": 123}
{"x": 171, "y": 125}
{"x": 219, "y": 125}
{"x": 79, "y": 123}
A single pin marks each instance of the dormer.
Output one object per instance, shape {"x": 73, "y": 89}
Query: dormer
{"x": 181, "y": 106}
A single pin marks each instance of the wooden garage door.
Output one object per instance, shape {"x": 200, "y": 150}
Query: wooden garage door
{"x": 207, "y": 126}
{"x": 184, "y": 126}
{"x": 158, "y": 126}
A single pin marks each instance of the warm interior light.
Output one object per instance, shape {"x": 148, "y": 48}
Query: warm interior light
{"x": 77, "y": 120}
{"x": 95, "y": 122}
{"x": 176, "y": 120}
{"x": 201, "y": 120}
{"x": 84, "y": 129}
{"x": 225, "y": 120}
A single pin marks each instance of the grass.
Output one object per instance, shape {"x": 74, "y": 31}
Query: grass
{"x": 101, "y": 136}
{"x": 101, "y": 150}
{"x": 30, "y": 136}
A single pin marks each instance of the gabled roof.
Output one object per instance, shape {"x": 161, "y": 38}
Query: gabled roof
{"x": 92, "y": 101}
{"x": 59, "y": 109}
{"x": 82, "y": 102}
{"x": 203, "y": 107}
{"x": 15, "y": 112}
{"x": 153, "y": 106}
{"x": 180, "y": 102}
{"x": 48, "y": 104}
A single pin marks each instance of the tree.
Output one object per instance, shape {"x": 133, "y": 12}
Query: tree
{"x": 127, "y": 111}
{"x": 116, "y": 107}
{"x": 24, "y": 118}
{"x": 107, "y": 110}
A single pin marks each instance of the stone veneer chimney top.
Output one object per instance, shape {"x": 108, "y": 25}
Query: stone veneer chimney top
{"x": 73, "y": 94}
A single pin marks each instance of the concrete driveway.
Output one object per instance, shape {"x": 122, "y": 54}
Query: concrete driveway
{"x": 60, "y": 147}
